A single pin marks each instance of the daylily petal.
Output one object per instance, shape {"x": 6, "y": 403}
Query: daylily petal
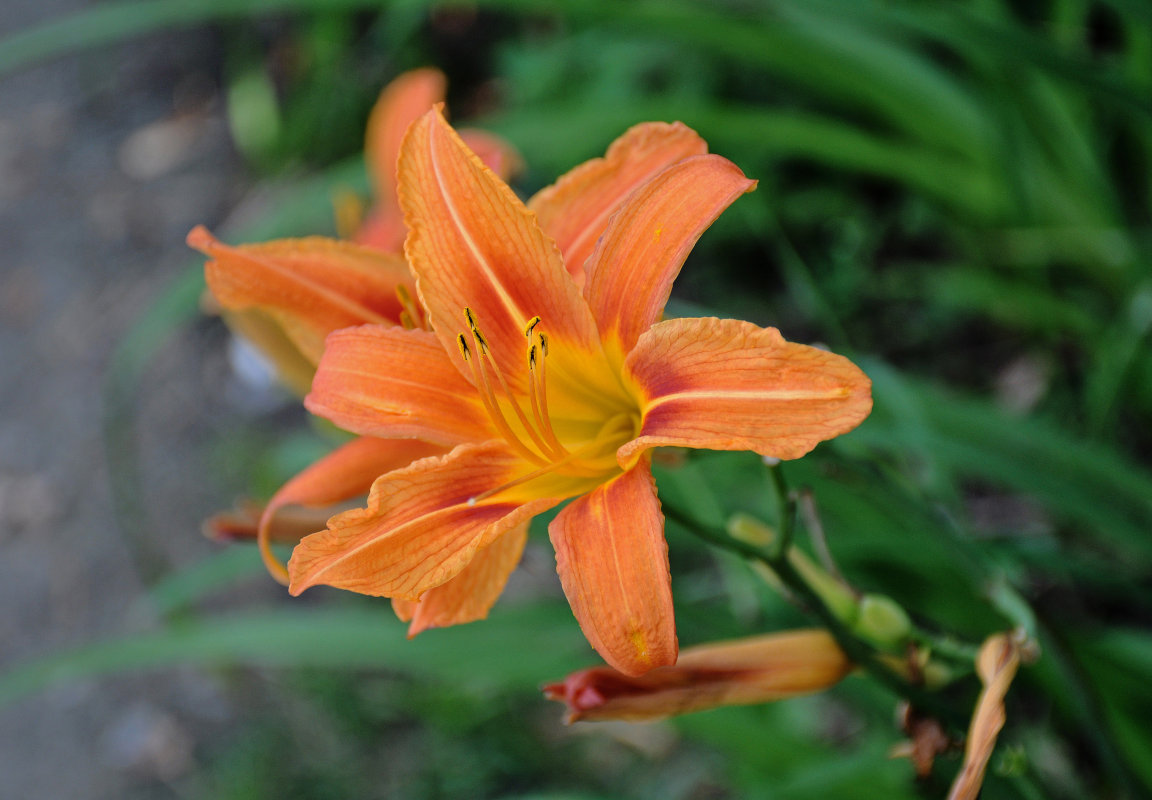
{"x": 423, "y": 525}
{"x": 473, "y": 244}
{"x": 312, "y": 285}
{"x": 383, "y": 228}
{"x": 267, "y": 334}
{"x": 726, "y": 384}
{"x": 469, "y": 596}
{"x": 496, "y": 153}
{"x": 631, "y": 271}
{"x": 344, "y": 473}
{"x": 576, "y": 209}
{"x": 401, "y": 103}
{"x": 394, "y": 383}
{"x": 759, "y": 669}
{"x": 613, "y": 563}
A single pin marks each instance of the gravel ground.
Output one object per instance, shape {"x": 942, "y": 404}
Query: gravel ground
{"x": 107, "y": 159}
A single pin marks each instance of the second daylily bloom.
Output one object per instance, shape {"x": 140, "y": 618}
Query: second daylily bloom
{"x": 546, "y": 391}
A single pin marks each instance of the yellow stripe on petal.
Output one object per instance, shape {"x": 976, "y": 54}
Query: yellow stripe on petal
{"x": 726, "y": 384}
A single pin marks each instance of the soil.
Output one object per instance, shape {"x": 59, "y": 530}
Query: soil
{"x": 107, "y": 157}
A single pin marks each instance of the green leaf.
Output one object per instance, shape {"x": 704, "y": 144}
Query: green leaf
{"x": 522, "y": 646}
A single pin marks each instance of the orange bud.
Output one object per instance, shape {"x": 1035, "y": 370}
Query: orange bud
{"x": 759, "y": 669}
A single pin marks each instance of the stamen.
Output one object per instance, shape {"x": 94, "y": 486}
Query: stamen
{"x": 492, "y": 407}
{"x": 486, "y": 360}
{"x": 409, "y": 311}
{"x": 539, "y": 400}
{"x": 542, "y": 378}
{"x": 532, "y": 323}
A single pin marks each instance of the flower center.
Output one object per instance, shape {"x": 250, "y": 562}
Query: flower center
{"x": 584, "y": 448}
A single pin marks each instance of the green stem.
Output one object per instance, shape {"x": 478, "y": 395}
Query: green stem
{"x": 859, "y": 652}
{"x": 786, "y": 506}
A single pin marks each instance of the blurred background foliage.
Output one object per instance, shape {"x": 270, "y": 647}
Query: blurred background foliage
{"x": 958, "y": 195}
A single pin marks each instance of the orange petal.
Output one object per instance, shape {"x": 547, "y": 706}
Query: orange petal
{"x": 402, "y": 102}
{"x": 759, "y": 669}
{"x": 392, "y": 383}
{"x": 725, "y": 384}
{"x": 422, "y": 527}
{"x": 313, "y": 285}
{"x": 267, "y": 334}
{"x": 468, "y": 596}
{"x": 631, "y": 271}
{"x": 473, "y": 244}
{"x": 382, "y": 229}
{"x": 613, "y": 563}
{"x": 575, "y": 210}
{"x": 497, "y": 154}
{"x": 344, "y": 473}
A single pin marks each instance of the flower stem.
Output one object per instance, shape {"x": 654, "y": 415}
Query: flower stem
{"x": 858, "y": 651}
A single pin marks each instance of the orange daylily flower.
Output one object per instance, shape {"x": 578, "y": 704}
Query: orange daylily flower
{"x": 759, "y": 669}
{"x": 547, "y": 392}
{"x": 286, "y": 296}
{"x": 296, "y": 291}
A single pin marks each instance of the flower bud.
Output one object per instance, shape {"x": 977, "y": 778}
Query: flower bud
{"x": 882, "y": 621}
{"x": 759, "y": 669}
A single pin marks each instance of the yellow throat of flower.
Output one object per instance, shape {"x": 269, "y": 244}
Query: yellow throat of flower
{"x": 579, "y": 445}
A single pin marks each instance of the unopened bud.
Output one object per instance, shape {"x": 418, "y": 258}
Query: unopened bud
{"x": 882, "y": 621}
{"x": 759, "y": 669}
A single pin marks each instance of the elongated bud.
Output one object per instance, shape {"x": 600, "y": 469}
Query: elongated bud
{"x": 882, "y": 622}
{"x": 839, "y": 598}
{"x": 759, "y": 669}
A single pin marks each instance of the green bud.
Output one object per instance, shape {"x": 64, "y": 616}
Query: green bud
{"x": 882, "y": 621}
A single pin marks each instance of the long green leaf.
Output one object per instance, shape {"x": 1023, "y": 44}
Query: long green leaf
{"x": 520, "y": 646}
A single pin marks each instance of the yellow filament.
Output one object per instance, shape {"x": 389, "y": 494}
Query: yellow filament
{"x": 568, "y": 461}
{"x": 539, "y": 397}
{"x": 493, "y": 408}
{"x": 487, "y": 361}
{"x": 409, "y": 311}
